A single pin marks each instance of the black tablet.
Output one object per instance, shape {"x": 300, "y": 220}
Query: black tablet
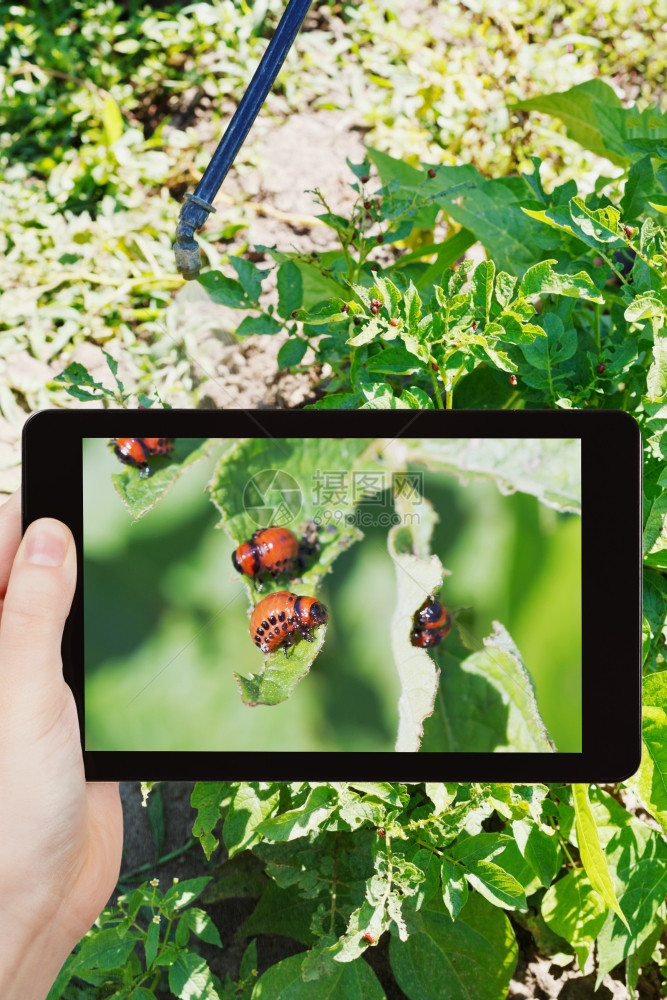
{"x": 347, "y": 595}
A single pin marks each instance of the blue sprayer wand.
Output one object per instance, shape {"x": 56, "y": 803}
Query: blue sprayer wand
{"x": 196, "y": 207}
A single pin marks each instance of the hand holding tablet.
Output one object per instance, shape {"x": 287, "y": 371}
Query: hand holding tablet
{"x": 60, "y": 838}
{"x": 293, "y": 535}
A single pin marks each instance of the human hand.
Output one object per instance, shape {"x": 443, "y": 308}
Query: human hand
{"x": 60, "y": 837}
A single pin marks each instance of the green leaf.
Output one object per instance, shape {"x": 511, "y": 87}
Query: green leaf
{"x": 207, "y": 798}
{"x": 290, "y": 289}
{"x": 359, "y": 170}
{"x": 418, "y": 575}
{"x": 417, "y": 398}
{"x": 586, "y": 112}
{"x": 368, "y": 331}
{"x": 253, "y": 802}
{"x": 489, "y": 209}
{"x": 324, "y": 314}
{"x": 248, "y": 965}
{"x": 191, "y": 979}
{"x": 442, "y": 959}
{"x": 650, "y": 782}
{"x": 640, "y": 185}
{"x": 280, "y": 673}
{"x": 592, "y": 856}
{"x": 112, "y": 120}
{"x": 481, "y": 288}
{"x": 488, "y": 704}
{"x": 346, "y": 981}
{"x": 381, "y": 396}
{"x": 294, "y": 823}
{"x": 336, "y": 401}
{"x": 654, "y": 601}
{"x": 250, "y": 276}
{"x": 539, "y": 848}
{"x": 182, "y": 935}
{"x": 656, "y": 379}
{"x": 282, "y": 911}
{"x": 601, "y": 224}
{"x": 654, "y": 537}
{"x": 317, "y": 284}
{"x": 595, "y": 228}
{"x": 441, "y": 794}
{"x": 264, "y": 481}
{"x": 637, "y": 858}
{"x": 645, "y": 952}
{"x": 267, "y": 481}
{"x": 431, "y": 865}
{"x": 240, "y": 877}
{"x": 480, "y": 846}
{"x": 646, "y": 305}
{"x": 262, "y": 325}
{"x": 504, "y": 290}
{"x": 103, "y": 949}
{"x": 155, "y": 809}
{"x": 141, "y": 495}
{"x": 201, "y": 924}
{"x": 447, "y": 253}
{"x": 393, "y": 361}
{"x": 542, "y": 279}
{"x": 454, "y": 887}
{"x": 494, "y": 214}
{"x": 371, "y": 917}
{"x": 75, "y": 376}
{"x": 291, "y": 353}
{"x": 152, "y": 941}
{"x": 575, "y": 911}
{"x": 410, "y": 179}
{"x": 495, "y": 884}
{"x": 549, "y": 469}
{"x": 559, "y": 345}
{"x": 224, "y": 291}
{"x": 183, "y": 893}
{"x": 382, "y": 790}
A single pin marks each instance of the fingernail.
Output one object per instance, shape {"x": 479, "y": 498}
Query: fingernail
{"x": 46, "y": 544}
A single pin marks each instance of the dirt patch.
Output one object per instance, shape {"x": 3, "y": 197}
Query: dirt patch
{"x": 306, "y": 149}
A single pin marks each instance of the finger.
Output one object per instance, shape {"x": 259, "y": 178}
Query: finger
{"x": 10, "y": 537}
{"x": 37, "y": 602}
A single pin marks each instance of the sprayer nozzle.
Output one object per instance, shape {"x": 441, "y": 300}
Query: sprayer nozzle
{"x": 188, "y": 257}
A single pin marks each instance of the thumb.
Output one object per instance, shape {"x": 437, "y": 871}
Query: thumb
{"x": 37, "y": 602}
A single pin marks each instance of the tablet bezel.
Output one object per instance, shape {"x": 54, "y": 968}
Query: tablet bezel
{"x": 611, "y": 583}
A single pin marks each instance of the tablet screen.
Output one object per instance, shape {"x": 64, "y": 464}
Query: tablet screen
{"x": 170, "y": 661}
{"x": 289, "y": 595}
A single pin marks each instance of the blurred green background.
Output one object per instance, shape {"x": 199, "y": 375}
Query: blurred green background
{"x": 166, "y": 619}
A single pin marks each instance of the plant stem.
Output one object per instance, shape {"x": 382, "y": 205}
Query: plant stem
{"x": 332, "y": 909}
{"x": 436, "y": 388}
{"x": 151, "y": 865}
{"x": 509, "y": 403}
{"x": 618, "y": 273}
